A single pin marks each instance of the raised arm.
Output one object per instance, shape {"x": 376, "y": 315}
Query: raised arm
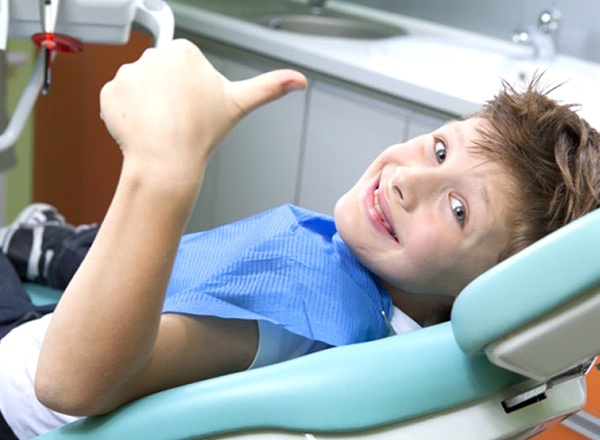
{"x": 108, "y": 342}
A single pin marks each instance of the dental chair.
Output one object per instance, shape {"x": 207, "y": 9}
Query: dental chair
{"x": 509, "y": 364}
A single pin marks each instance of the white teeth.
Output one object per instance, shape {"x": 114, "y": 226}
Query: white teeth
{"x": 380, "y": 213}
{"x": 377, "y": 202}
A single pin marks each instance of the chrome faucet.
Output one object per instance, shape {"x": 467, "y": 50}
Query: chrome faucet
{"x": 543, "y": 36}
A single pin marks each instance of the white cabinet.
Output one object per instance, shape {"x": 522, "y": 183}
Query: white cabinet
{"x": 256, "y": 166}
{"x": 345, "y": 132}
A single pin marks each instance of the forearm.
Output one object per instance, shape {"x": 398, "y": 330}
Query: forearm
{"x": 104, "y": 329}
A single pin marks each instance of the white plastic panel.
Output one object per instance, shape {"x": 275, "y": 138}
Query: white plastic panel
{"x": 98, "y": 21}
{"x": 554, "y": 344}
{"x": 95, "y": 21}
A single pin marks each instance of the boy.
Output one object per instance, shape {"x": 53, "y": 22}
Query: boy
{"x": 425, "y": 219}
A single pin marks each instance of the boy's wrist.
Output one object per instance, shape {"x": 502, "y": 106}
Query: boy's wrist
{"x": 175, "y": 181}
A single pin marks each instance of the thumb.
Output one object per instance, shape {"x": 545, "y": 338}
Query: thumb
{"x": 251, "y": 93}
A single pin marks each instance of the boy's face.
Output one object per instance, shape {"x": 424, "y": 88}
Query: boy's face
{"x": 428, "y": 215}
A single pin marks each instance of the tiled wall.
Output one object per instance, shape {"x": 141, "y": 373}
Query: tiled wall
{"x": 579, "y": 34}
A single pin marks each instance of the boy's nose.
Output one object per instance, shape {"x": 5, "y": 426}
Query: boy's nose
{"x": 412, "y": 185}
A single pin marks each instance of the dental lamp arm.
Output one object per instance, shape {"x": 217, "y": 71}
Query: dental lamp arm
{"x": 155, "y": 16}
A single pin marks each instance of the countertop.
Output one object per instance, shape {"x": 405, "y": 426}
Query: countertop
{"x": 447, "y": 69}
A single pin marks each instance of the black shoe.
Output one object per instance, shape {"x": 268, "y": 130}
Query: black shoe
{"x": 26, "y": 240}
{"x": 30, "y": 249}
{"x": 39, "y": 214}
{"x": 32, "y": 215}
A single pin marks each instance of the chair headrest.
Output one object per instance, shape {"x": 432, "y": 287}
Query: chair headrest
{"x": 552, "y": 272}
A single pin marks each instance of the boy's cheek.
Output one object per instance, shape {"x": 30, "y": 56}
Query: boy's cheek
{"x": 345, "y": 213}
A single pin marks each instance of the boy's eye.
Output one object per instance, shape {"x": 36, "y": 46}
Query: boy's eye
{"x": 459, "y": 210}
{"x": 440, "y": 151}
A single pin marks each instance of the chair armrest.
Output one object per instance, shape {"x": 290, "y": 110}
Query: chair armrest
{"x": 341, "y": 389}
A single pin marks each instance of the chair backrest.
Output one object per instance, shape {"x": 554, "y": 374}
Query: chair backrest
{"x": 535, "y": 312}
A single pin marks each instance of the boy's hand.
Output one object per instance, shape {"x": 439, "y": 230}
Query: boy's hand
{"x": 171, "y": 107}
{"x": 167, "y": 111}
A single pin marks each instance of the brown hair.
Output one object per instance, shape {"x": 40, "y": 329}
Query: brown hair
{"x": 553, "y": 154}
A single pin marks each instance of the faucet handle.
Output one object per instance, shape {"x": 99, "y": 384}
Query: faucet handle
{"x": 549, "y": 20}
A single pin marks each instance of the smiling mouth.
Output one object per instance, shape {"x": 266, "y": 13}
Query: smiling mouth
{"x": 388, "y": 226}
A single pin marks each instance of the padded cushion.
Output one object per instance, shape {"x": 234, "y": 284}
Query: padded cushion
{"x": 346, "y": 388}
{"x": 42, "y": 295}
{"x": 551, "y": 272}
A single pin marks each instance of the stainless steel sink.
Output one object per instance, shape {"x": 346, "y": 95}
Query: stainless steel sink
{"x": 330, "y": 26}
{"x": 302, "y": 17}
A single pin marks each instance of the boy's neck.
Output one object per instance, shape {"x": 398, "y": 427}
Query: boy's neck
{"x": 425, "y": 309}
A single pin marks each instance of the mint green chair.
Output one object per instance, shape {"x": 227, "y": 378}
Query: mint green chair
{"x": 509, "y": 364}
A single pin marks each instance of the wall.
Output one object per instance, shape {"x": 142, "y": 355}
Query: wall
{"x": 579, "y": 35}
{"x": 18, "y": 180}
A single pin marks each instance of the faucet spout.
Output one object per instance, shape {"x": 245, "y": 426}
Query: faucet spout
{"x": 543, "y": 44}
{"x": 543, "y": 36}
